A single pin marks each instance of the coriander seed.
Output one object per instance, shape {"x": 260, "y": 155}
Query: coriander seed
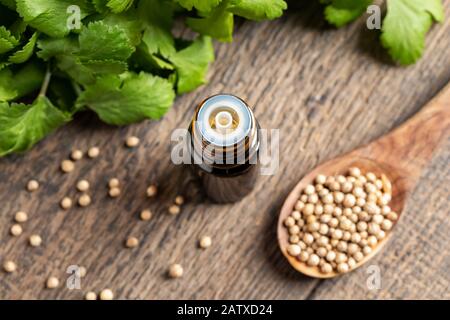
{"x": 174, "y": 210}
{"x": 52, "y": 283}
{"x": 175, "y": 271}
{"x": 294, "y": 250}
{"x": 84, "y": 200}
{"x": 132, "y": 141}
{"x": 145, "y": 215}
{"x": 76, "y": 155}
{"x": 9, "y": 266}
{"x": 152, "y": 190}
{"x": 66, "y": 203}
{"x": 32, "y": 185}
{"x": 35, "y": 240}
{"x": 114, "y": 192}
{"x": 132, "y": 242}
{"x": 90, "y": 296}
{"x": 113, "y": 183}
{"x": 179, "y": 200}
{"x": 83, "y": 185}
{"x": 82, "y": 271}
{"x": 93, "y": 152}
{"x": 16, "y": 230}
{"x": 106, "y": 294}
{"x": 67, "y": 166}
{"x": 205, "y": 242}
{"x": 313, "y": 260}
{"x": 21, "y": 216}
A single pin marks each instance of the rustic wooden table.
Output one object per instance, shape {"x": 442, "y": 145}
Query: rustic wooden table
{"x": 327, "y": 90}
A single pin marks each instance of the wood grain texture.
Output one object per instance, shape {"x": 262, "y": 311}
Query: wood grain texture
{"x": 329, "y": 91}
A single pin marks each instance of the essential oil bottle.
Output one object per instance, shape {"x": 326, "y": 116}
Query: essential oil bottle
{"x": 225, "y": 146}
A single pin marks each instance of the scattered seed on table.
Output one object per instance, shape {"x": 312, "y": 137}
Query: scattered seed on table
{"x": 84, "y": 200}
{"x": 114, "y": 192}
{"x": 174, "y": 209}
{"x": 21, "y": 216}
{"x": 113, "y": 183}
{"x": 66, "y": 203}
{"x": 205, "y": 242}
{"x": 132, "y": 141}
{"x": 145, "y": 215}
{"x": 52, "y": 283}
{"x": 76, "y": 155}
{"x": 32, "y": 185}
{"x": 93, "y": 152}
{"x": 35, "y": 240}
{"x": 152, "y": 190}
{"x": 83, "y": 271}
{"x": 131, "y": 242}
{"x": 16, "y": 230}
{"x": 179, "y": 200}
{"x": 83, "y": 185}
{"x": 106, "y": 294}
{"x": 67, "y": 166}
{"x": 9, "y": 266}
{"x": 90, "y": 296}
{"x": 175, "y": 271}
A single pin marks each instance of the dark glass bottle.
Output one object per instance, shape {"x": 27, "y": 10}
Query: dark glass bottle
{"x": 225, "y": 146}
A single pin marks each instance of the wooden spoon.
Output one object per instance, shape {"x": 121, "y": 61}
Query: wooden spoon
{"x": 400, "y": 155}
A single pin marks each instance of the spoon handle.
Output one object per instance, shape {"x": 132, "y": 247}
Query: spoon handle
{"x": 409, "y": 147}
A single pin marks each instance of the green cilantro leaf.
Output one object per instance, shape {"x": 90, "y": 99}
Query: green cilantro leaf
{"x": 11, "y": 4}
{"x": 129, "y": 98}
{"x": 99, "y": 41}
{"x": 22, "y": 82}
{"x": 100, "y": 49}
{"x": 157, "y": 18}
{"x": 21, "y": 126}
{"x": 7, "y": 40}
{"x": 405, "y": 26}
{"x": 7, "y": 91}
{"x": 341, "y": 12}
{"x": 257, "y": 9}
{"x": 26, "y": 52}
{"x": 50, "y": 16}
{"x": 200, "y": 5}
{"x": 192, "y": 63}
{"x": 217, "y": 24}
{"x": 118, "y": 6}
{"x": 129, "y": 23}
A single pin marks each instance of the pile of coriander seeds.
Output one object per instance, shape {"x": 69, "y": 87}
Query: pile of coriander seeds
{"x": 339, "y": 220}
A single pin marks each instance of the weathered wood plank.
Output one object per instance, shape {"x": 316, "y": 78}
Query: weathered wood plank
{"x": 327, "y": 90}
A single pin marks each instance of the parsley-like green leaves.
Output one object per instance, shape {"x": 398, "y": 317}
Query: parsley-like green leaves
{"x": 129, "y": 98}
{"x": 21, "y": 125}
{"x": 341, "y": 12}
{"x": 51, "y": 16}
{"x": 405, "y": 27}
{"x": 257, "y": 9}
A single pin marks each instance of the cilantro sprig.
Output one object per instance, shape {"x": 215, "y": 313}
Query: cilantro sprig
{"x": 405, "y": 24}
{"x": 123, "y": 63}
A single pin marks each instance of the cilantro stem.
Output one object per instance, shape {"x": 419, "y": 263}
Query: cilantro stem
{"x": 76, "y": 88}
{"x": 44, "y": 87}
